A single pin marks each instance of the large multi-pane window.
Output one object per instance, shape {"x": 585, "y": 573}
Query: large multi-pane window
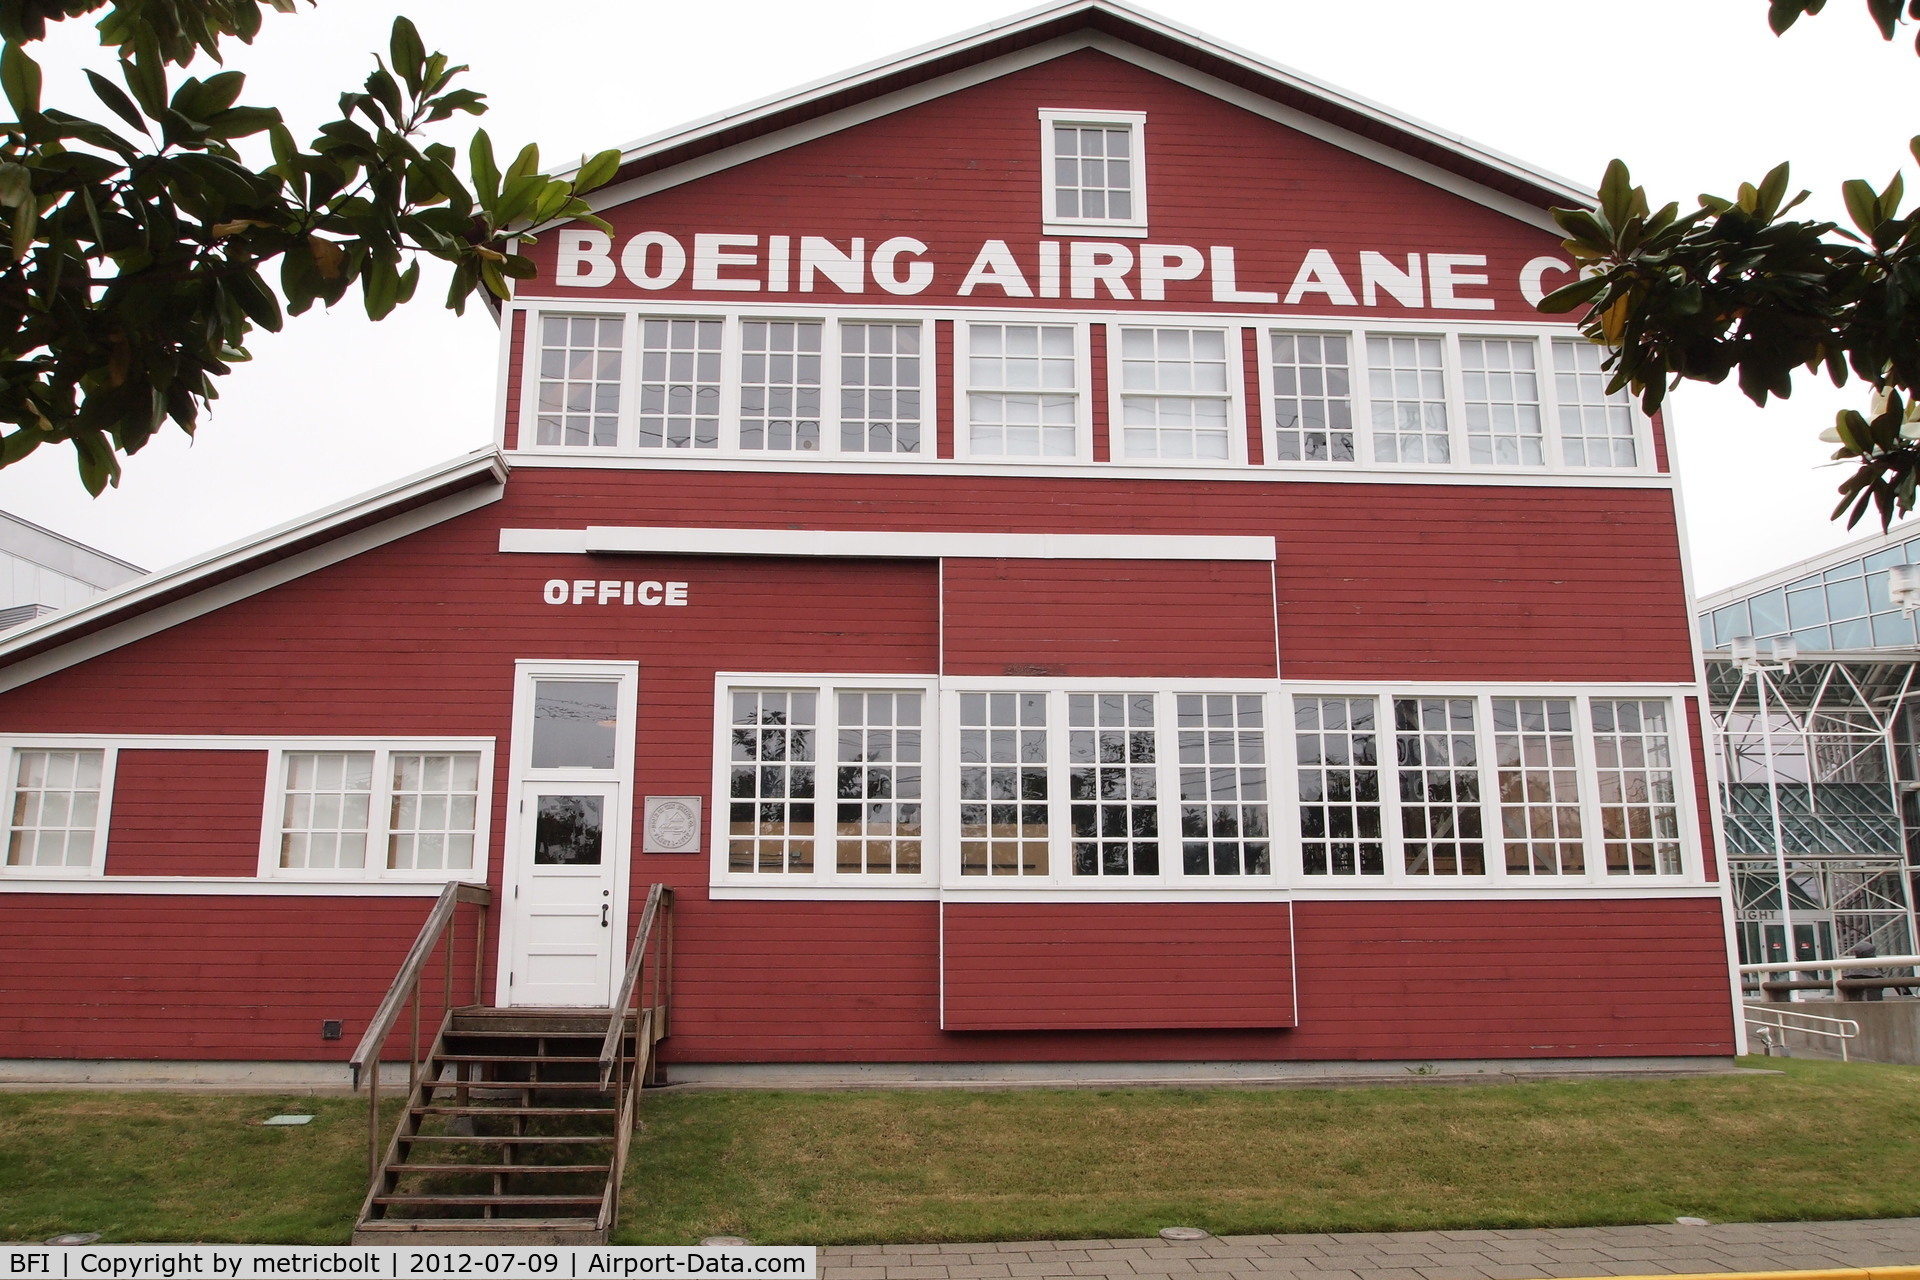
{"x": 1312, "y": 398}
{"x": 1174, "y": 399}
{"x": 877, "y": 787}
{"x": 579, "y": 390}
{"x": 1113, "y": 785}
{"x": 1596, "y": 429}
{"x": 1223, "y": 784}
{"x": 326, "y": 801}
{"x": 1337, "y": 754}
{"x": 379, "y": 810}
{"x": 772, "y": 793}
{"x": 431, "y": 817}
{"x": 56, "y": 808}
{"x": 1502, "y": 397}
{"x": 1022, "y": 397}
{"x": 1406, "y": 380}
{"x": 879, "y": 387}
{"x": 1093, "y": 172}
{"x": 1639, "y": 811}
{"x": 1003, "y": 784}
{"x": 680, "y": 384}
{"x": 780, "y": 385}
{"x": 1539, "y": 780}
{"x": 1441, "y": 829}
{"x": 1078, "y": 786}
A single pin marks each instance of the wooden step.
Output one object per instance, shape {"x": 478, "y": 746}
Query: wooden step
{"x": 436, "y": 1109}
{"x": 497, "y": 1168}
{"x": 582, "y": 1058}
{"x": 497, "y": 1202}
{"x": 487, "y": 1231}
{"x": 518, "y": 1086}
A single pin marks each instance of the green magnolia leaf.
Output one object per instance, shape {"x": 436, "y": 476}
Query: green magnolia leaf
{"x": 20, "y": 78}
{"x": 598, "y": 171}
{"x": 486, "y": 175}
{"x": 409, "y": 55}
{"x": 1863, "y": 204}
{"x": 116, "y": 101}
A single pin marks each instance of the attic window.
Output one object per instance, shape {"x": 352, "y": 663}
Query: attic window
{"x": 1095, "y": 172}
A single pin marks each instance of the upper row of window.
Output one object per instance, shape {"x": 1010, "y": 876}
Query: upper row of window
{"x": 755, "y": 386}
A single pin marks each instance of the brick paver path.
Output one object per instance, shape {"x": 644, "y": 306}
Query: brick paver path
{"x": 1402, "y": 1255}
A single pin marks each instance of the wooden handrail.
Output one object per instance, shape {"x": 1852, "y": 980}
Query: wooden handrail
{"x": 623, "y": 994}
{"x": 410, "y": 969}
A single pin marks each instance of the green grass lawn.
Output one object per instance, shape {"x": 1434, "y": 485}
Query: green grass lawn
{"x": 1823, "y": 1140}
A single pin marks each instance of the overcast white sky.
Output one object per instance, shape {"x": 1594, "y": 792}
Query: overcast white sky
{"x": 1696, "y": 95}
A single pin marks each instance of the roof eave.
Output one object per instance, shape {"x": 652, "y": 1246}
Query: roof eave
{"x": 189, "y": 577}
{"x": 1162, "y": 35}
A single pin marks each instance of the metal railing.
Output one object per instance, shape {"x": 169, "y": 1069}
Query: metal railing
{"x": 625, "y": 1070}
{"x": 1824, "y": 975}
{"x": 405, "y": 993}
{"x": 1768, "y": 1018}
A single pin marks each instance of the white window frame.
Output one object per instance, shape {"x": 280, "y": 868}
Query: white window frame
{"x": 380, "y": 807}
{"x": 1135, "y": 122}
{"x": 1060, "y": 877}
{"x": 97, "y": 862}
{"x": 1235, "y": 394}
{"x": 826, "y": 872}
{"x": 1595, "y": 875}
{"x": 832, "y": 320}
{"x": 1365, "y": 464}
{"x": 1082, "y": 388}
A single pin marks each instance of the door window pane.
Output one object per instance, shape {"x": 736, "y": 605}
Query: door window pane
{"x": 567, "y": 831}
{"x": 574, "y": 723}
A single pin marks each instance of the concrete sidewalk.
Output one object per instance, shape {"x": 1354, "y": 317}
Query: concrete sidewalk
{"x": 1403, "y": 1255}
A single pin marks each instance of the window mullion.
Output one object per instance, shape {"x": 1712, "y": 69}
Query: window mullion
{"x": 1593, "y": 839}
{"x": 730, "y": 356}
{"x": 1549, "y": 403}
{"x": 1492, "y": 827}
{"x": 1392, "y": 829}
{"x": 1166, "y": 746}
{"x": 832, "y": 388}
{"x": 1459, "y": 447}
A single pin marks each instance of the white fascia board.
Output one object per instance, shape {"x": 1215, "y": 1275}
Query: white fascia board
{"x": 152, "y": 591}
{"x": 1812, "y": 564}
{"x": 883, "y": 544}
{"x": 1560, "y": 188}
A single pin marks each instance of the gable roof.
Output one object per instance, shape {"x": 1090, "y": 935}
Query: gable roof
{"x": 1346, "y": 113}
{"x": 175, "y": 594}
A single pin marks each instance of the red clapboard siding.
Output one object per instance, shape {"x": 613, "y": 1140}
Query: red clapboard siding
{"x": 1250, "y": 370}
{"x": 186, "y": 813}
{"x": 942, "y": 408}
{"x": 1513, "y": 978}
{"x": 1378, "y": 980}
{"x": 516, "y": 364}
{"x": 1085, "y": 966}
{"x": 965, "y": 168}
{"x": 1703, "y": 787}
{"x": 170, "y": 977}
{"x": 1098, "y": 336}
{"x": 1101, "y": 618}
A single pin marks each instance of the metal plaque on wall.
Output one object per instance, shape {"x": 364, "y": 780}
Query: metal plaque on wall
{"x": 672, "y": 824}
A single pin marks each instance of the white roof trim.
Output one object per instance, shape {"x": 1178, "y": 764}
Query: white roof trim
{"x": 681, "y": 134}
{"x": 173, "y": 579}
{"x": 883, "y": 544}
{"x": 1812, "y": 564}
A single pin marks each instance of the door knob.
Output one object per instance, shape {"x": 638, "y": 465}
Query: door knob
{"x": 603, "y": 916}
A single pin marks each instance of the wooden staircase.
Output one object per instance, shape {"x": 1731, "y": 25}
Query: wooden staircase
{"x": 517, "y": 1121}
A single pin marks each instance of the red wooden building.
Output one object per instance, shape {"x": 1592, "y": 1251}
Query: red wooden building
{"x": 1070, "y": 545}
